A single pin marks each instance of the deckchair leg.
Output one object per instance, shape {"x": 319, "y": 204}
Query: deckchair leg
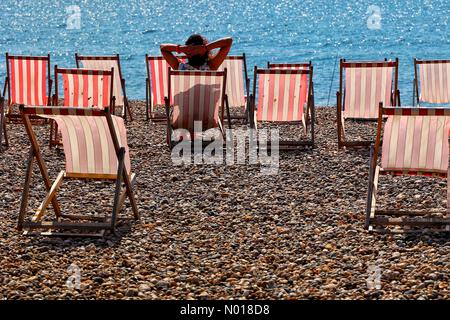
{"x": 147, "y": 117}
{"x": 448, "y": 198}
{"x": 228, "y": 111}
{"x": 123, "y": 193}
{"x": 117, "y": 192}
{"x": 313, "y": 119}
{"x": 130, "y": 193}
{"x": 26, "y": 190}
{"x": 338, "y": 119}
{"x": 370, "y": 189}
{"x": 3, "y": 132}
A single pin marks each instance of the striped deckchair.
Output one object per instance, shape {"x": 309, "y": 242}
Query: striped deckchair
{"x": 415, "y": 142}
{"x": 27, "y": 82}
{"x": 156, "y": 85}
{"x": 107, "y": 63}
{"x": 238, "y": 83}
{"x": 3, "y": 125}
{"x": 198, "y": 96}
{"x": 284, "y": 97}
{"x": 364, "y": 86}
{"x": 95, "y": 148}
{"x": 83, "y": 89}
{"x": 431, "y": 81}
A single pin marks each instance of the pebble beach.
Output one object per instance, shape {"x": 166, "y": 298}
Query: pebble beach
{"x": 226, "y": 232}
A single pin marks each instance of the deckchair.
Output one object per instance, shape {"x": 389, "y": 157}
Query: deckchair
{"x": 238, "y": 83}
{"x": 198, "y": 96}
{"x": 83, "y": 88}
{"x": 431, "y": 81}
{"x": 106, "y": 63}
{"x": 27, "y": 82}
{"x": 3, "y": 125}
{"x": 95, "y": 148}
{"x": 156, "y": 85}
{"x": 415, "y": 142}
{"x": 361, "y": 89}
{"x": 284, "y": 98}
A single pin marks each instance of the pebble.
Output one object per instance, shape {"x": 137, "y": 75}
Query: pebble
{"x": 226, "y": 232}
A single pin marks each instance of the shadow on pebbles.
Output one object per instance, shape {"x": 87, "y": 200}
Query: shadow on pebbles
{"x": 221, "y": 232}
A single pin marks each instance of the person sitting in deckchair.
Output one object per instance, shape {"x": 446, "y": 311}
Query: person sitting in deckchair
{"x": 198, "y": 51}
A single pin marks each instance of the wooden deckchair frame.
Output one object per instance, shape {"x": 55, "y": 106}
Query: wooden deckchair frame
{"x": 116, "y": 57}
{"x": 98, "y": 224}
{"x": 340, "y": 96}
{"x": 223, "y": 103}
{"x": 15, "y": 118}
{"x": 310, "y": 110}
{"x": 3, "y": 132}
{"x": 54, "y": 141}
{"x": 417, "y": 62}
{"x": 379, "y": 220}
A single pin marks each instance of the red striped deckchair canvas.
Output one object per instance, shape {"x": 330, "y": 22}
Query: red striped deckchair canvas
{"x": 415, "y": 142}
{"x": 434, "y": 85}
{"x": 294, "y": 66}
{"x": 197, "y": 96}
{"x": 88, "y": 146}
{"x": 156, "y": 84}
{"x": 28, "y": 80}
{"x": 285, "y": 97}
{"x": 106, "y": 63}
{"x": 282, "y": 94}
{"x": 236, "y": 80}
{"x": 366, "y": 85}
{"x": 362, "y": 86}
{"x": 86, "y": 88}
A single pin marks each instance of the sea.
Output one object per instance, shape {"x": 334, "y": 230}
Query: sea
{"x": 322, "y": 31}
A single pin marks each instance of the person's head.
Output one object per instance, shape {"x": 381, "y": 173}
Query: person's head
{"x": 196, "y": 40}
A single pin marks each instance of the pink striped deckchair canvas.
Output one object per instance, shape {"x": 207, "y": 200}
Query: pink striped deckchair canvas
{"x": 416, "y": 140}
{"x": 366, "y": 85}
{"x": 197, "y": 96}
{"x": 284, "y": 97}
{"x": 362, "y": 86}
{"x": 88, "y": 146}
{"x": 236, "y": 80}
{"x": 156, "y": 84}
{"x": 106, "y": 63}
{"x": 294, "y": 66}
{"x": 282, "y": 94}
{"x": 28, "y": 80}
{"x": 86, "y": 88}
{"x": 157, "y": 72}
{"x": 434, "y": 85}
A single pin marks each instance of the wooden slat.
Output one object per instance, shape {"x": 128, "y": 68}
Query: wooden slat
{"x": 49, "y": 197}
{"x": 66, "y": 225}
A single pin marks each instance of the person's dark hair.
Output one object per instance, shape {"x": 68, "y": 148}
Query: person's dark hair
{"x": 196, "y": 40}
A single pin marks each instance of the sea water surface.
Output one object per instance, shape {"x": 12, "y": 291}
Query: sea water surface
{"x": 266, "y": 30}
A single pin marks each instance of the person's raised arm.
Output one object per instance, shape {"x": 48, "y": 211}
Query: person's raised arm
{"x": 167, "y": 52}
{"x": 224, "y": 46}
